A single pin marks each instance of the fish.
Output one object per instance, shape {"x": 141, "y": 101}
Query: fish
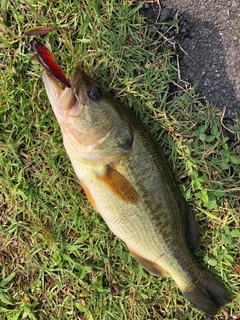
{"x": 128, "y": 180}
{"x": 46, "y": 59}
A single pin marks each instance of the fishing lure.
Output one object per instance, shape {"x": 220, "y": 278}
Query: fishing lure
{"x": 46, "y": 59}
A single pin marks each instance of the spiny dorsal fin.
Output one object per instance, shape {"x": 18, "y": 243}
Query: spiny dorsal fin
{"x": 150, "y": 266}
{"x": 119, "y": 185}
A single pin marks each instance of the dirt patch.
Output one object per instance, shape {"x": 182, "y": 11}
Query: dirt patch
{"x": 208, "y": 34}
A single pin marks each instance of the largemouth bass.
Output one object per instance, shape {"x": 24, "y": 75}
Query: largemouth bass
{"x": 127, "y": 179}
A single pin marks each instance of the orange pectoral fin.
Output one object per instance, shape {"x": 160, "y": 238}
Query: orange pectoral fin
{"x": 150, "y": 266}
{"x": 89, "y": 196}
{"x": 119, "y": 185}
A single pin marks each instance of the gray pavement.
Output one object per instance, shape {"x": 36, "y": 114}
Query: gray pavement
{"x": 209, "y": 33}
{"x": 213, "y": 48}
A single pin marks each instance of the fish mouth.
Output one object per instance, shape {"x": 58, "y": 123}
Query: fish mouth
{"x": 69, "y": 98}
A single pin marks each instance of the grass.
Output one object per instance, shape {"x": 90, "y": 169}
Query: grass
{"x": 58, "y": 259}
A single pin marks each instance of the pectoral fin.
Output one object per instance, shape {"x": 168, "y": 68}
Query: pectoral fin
{"x": 119, "y": 185}
{"x": 150, "y": 266}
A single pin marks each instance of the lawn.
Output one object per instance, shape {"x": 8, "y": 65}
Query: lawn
{"x": 58, "y": 259}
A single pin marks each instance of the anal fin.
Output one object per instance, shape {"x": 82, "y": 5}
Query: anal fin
{"x": 150, "y": 266}
{"x": 119, "y": 185}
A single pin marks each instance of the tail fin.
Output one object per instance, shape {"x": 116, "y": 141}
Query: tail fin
{"x": 208, "y": 295}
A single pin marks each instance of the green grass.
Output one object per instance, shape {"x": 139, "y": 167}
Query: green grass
{"x": 58, "y": 260}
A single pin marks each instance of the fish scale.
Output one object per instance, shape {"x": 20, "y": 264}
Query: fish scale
{"x": 161, "y": 190}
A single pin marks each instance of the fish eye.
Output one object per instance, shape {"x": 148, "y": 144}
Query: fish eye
{"x": 94, "y": 94}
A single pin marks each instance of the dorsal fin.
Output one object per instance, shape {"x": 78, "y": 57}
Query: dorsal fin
{"x": 119, "y": 185}
{"x": 193, "y": 231}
